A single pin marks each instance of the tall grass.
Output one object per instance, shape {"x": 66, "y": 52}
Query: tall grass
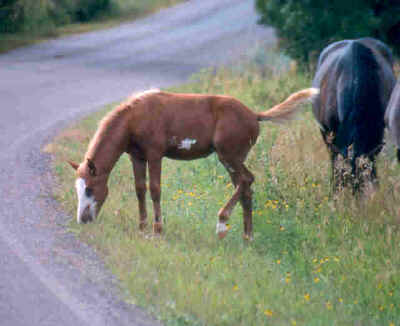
{"x": 313, "y": 261}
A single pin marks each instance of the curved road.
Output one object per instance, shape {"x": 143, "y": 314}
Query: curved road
{"x": 47, "y": 277}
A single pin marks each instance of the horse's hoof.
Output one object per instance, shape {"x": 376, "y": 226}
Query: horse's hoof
{"x": 223, "y": 234}
{"x": 142, "y": 226}
{"x": 247, "y": 237}
{"x": 222, "y": 229}
{"x": 157, "y": 228}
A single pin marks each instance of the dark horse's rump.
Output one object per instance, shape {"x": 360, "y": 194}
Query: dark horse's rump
{"x": 355, "y": 78}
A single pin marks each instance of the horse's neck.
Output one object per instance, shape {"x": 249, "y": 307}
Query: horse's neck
{"x": 107, "y": 146}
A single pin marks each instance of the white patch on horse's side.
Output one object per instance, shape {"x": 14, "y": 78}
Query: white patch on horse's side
{"x": 83, "y": 200}
{"x": 187, "y": 143}
{"x": 221, "y": 227}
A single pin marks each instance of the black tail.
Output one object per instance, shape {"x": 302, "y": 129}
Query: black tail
{"x": 359, "y": 102}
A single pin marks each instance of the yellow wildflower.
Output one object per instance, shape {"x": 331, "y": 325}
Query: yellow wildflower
{"x": 235, "y": 288}
{"x": 328, "y": 305}
{"x": 340, "y": 300}
{"x": 268, "y": 312}
{"x": 278, "y": 261}
{"x": 316, "y": 279}
{"x": 307, "y": 297}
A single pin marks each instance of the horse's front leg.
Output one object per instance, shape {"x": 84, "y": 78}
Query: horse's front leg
{"x": 139, "y": 171}
{"x": 155, "y": 191}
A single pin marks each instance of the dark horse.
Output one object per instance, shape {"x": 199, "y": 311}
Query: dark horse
{"x": 392, "y": 117}
{"x": 355, "y": 78}
{"x": 158, "y": 124}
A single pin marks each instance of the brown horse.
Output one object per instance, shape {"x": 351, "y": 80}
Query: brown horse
{"x": 158, "y": 124}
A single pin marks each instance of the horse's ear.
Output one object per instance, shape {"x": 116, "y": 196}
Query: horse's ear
{"x": 92, "y": 167}
{"x": 74, "y": 165}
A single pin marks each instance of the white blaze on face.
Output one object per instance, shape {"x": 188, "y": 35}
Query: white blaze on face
{"x": 187, "y": 143}
{"x": 83, "y": 200}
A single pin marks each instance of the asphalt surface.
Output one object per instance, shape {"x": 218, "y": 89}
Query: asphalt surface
{"x": 48, "y": 277}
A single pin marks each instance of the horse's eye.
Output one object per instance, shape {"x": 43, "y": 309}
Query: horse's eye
{"x": 88, "y": 192}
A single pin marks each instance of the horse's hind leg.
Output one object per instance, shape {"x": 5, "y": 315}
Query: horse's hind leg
{"x": 139, "y": 171}
{"x": 155, "y": 191}
{"x": 242, "y": 179}
{"x": 247, "y": 204}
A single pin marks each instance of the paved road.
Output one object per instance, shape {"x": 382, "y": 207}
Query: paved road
{"x": 47, "y": 277}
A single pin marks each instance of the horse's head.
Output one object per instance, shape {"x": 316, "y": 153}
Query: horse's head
{"x": 91, "y": 189}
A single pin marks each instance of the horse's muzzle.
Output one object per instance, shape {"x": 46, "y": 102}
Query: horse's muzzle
{"x": 86, "y": 216}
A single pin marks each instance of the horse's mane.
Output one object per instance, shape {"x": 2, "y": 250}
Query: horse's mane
{"x": 111, "y": 122}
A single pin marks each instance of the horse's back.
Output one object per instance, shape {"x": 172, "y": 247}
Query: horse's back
{"x": 189, "y": 126}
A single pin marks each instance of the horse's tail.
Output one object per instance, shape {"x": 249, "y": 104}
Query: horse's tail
{"x": 359, "y": 103}
{"x": 287, "y": 109}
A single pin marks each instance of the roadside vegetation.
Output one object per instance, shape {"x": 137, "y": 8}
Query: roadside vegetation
{"x": 305, "y": 27}
{"x": 314, "y": 260}
{"x": 25, "y": 21}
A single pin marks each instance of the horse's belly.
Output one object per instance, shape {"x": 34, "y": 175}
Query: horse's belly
{"x": 188, "y": 149}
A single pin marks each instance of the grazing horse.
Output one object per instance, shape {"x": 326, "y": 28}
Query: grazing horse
{"x": 355, "y": 79}
{"x": 392, "y": 117}
{"x": 159, "y": 124}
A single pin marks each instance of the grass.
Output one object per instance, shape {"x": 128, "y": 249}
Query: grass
{"x": 313, "y": 261}
{"x": 128, "y": 10}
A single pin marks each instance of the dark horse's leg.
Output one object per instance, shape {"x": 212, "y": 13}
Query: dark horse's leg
{"x": 336, "y": 177}
{"x": 139, "y": 170}
{"x": 155, "y": 191}
{"x": 366, "y": 180}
